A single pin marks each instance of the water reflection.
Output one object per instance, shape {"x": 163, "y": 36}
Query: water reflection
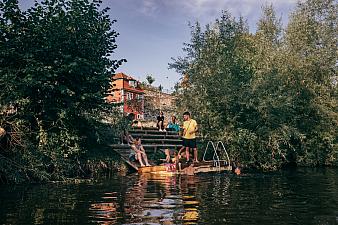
{"x": 188, "y": 187}
{"x": 165, "y": 200}
{"x": 306, "y": 196}
{"x": 104, "y": 212}
{"x": 152, "y": 200}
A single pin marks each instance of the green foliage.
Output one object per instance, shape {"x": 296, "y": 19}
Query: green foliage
{"x": 55, "y": 69}
{"x": 150, "y": 79}
{"x": 270, "y": 95}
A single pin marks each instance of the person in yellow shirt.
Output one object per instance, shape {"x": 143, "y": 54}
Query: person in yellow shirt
{"x": 189, "y": 135}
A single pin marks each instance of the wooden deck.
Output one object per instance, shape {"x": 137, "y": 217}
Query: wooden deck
{"x": 191, "y": 169}
{"x": 154, "y": 141}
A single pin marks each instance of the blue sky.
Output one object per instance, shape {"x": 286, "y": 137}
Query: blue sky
{"x": 153, "y": 31}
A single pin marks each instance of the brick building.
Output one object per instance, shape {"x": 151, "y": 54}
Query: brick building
{"x": 127, "y": 91}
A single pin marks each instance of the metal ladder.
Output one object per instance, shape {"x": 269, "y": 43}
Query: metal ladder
{"x": 215, "y": 157}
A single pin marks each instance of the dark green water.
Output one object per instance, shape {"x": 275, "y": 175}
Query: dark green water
{"x": 303, "y": 196}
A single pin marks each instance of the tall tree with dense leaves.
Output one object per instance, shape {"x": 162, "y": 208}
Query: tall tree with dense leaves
{"x": 271, "y": 95}
{"x": 55, "y": 69}
{"x": 215, "y": 86}
{"x": 268, "y": 94}
{"x": 311, "y": 44}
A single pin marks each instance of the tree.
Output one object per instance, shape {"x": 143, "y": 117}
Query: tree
{"x": 268, "y": 26}
{"x": 311, "y": 44}
{"x": 270, "y": 95}
{"x": 160, "y": 88}
{"x": 215, "y": 75}
{"x": 55, "y": 70}
{"x": 150, "y": 79}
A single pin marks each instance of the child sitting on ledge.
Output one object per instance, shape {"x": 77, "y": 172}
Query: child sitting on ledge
{"x": 139, "y": 152}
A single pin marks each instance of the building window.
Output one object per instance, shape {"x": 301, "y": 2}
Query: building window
{"x": 129, "y": 96}
{"x": 132, "y": 83}
{"x": 138, "y": 96}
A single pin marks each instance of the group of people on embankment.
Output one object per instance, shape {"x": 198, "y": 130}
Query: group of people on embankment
{"x": 188, "y": 134}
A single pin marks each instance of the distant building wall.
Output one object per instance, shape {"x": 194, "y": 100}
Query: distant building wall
{"x": 156, "y": 101}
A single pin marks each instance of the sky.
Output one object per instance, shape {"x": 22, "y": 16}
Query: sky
{"x": 153, "y": 31}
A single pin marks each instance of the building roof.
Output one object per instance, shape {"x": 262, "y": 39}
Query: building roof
{"x": 122, "y": 76}
{"x": 127, "y": 86}
{"x": 138, "y": 90}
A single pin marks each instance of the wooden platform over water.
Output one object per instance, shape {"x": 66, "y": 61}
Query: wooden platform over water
{"x": 154, "y": 142}
{"x": 187, "y": 169}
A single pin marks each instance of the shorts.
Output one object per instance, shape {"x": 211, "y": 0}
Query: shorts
{"x": 132, "y": 157}
{"x": 191, "y": 143}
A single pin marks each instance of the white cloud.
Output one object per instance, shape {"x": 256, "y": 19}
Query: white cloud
{"x": 149, "y": 7}
{"x": 205, "y": 11}
{"x": 236, "y": 7}
{"x": 205, "y": 7}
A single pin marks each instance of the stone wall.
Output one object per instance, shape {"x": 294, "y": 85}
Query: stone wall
{"x": 154, "y": 101}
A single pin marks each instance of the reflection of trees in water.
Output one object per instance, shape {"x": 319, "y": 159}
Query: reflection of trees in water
{"x": 134, "y": 198}
{"x": 220, "y": 189}
{"x": 215, "y": 195}
{"x": 28, "y": 205}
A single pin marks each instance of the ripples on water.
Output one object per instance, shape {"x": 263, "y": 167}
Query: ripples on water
{"x": 305, "y": 196}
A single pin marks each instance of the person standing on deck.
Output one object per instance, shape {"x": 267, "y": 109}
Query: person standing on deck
{"x": 189, "y": 135}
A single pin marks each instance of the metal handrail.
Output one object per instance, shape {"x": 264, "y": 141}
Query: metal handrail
{"x": 205, "y": 151}
{"x": 215, "y": 157}
{"x": 226, "y": 153}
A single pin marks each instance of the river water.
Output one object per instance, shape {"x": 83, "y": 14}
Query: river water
{"x": 301, "y": 196}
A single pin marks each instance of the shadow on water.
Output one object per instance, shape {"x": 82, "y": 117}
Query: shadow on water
{"x": 302, "y": 196}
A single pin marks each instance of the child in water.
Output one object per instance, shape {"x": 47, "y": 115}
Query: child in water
{"x": 237, "y": 171}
